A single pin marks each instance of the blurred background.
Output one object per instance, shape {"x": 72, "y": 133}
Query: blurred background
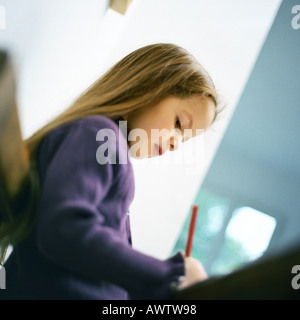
{"x": 245, "y": 175}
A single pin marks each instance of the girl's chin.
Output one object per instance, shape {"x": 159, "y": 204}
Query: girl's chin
{"x": 138, "y": 155}
{"x": 143, "y": 153}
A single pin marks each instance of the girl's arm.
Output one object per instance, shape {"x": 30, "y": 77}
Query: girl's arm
{"x": 72, "y": 228}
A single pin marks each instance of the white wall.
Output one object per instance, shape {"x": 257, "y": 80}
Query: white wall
{"x": 61, "y": 46}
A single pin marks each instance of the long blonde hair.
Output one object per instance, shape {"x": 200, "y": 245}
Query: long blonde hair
{"x": 142, "y": 78}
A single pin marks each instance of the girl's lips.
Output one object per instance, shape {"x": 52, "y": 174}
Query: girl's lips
{"x": 158, "y": 150}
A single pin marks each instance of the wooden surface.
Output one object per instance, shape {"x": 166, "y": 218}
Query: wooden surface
{"x": 265, "y": 279}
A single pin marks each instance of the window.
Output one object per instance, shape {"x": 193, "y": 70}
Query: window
{"x": 226, "y": 237}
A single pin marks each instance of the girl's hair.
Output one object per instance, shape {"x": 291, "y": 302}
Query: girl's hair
{"x": 142, "y": 78}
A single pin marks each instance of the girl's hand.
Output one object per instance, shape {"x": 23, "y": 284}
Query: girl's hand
{"x": 194, "y": 272}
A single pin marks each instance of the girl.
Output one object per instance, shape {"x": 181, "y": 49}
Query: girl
{"x": 79, "y": 245}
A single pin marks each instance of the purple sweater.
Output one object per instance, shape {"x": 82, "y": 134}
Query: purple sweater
{"x": 81, "y": 246}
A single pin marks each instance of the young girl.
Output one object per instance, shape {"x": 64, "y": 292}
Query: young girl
{"x": 79, "y": 246}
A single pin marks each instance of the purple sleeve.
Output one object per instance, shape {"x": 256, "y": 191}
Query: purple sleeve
{"x": 73, "y": 232}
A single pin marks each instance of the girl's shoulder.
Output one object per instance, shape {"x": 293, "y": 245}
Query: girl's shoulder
{"x": 80, "y": 134}
{"x": 92, "y": 122}
{"x": 85, "y": 128}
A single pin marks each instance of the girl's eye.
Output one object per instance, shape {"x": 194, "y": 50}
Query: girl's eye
{"x": 178, "y": 124}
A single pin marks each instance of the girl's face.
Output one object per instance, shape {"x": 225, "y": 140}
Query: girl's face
{"x": 159, "y": 128}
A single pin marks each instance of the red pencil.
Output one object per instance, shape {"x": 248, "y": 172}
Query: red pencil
{"x": 188, "y": 248}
